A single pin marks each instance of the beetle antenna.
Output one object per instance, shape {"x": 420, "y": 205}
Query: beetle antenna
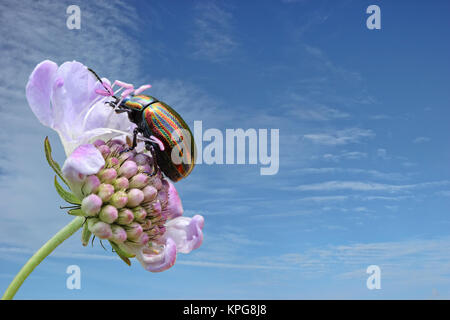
{"x": 107, "y": 88}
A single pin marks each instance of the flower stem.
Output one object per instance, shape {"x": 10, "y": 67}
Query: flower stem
{"x": 41, "y": 254}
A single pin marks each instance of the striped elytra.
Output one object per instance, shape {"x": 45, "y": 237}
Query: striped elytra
{"x": 160, "y": 120}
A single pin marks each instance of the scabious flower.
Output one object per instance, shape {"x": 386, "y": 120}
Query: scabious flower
{"x": 122, "y": 194}
{"x": 64, "y": 98}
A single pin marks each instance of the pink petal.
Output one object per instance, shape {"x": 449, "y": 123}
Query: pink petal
{"x": 157, "y": 262}
{"x": 186, "y": 232}
{"x": 174, "y": 207}
{"x": 39, "y": 90}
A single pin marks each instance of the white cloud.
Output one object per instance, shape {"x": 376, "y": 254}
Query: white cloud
{"x": 394, "y": 176}
{"x": 212, "y": 37}
{"x": 320, "y": 113}
{"x": 365, "y": 186}
{"x": 340, "y": 137}
{"x": 345, "y": 155}
{"x": 421, "y": 140}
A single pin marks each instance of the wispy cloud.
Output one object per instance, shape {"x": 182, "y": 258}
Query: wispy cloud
{"x": 366, "y": 186}
{"x": 421, "y": 139}
{"x": 340, "y": 137}
{"x": 394, "y": 176}
{"x": 345, "y": 155}
{"x": 212, "y": 37}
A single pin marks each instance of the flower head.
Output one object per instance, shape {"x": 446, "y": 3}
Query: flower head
{"x": 122, "y": 193}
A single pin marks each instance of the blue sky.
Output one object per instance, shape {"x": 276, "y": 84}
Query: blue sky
{"x": 364, "y": 161}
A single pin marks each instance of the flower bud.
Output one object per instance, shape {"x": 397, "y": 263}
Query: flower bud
{"x": 142, "y": 159}
{"x": 119, "y": 234}
{"x": 153, "y": 208}
{"x": 128, "y": 169}
{"x": 150, "y": 193}
{"x": 145, "y": 168}
{"x": 105, "y": 191}
{"x": 119, "y": 199}
{"x": 135, "y": 197}
{"x": 143, "y": 239}
{"x": 117, "y": 147}
{"x": 139, "y": 181}
{"x": 121, "y": 183}
{"x": 146, "y": 224}
{"x": 98, "y": 143}
{"x": 108, "y": 214}
{"x": 127, "y": 156}
{"x": 125, "y": 216}
{"x": 91, "y": 205}
{"x": 156, "y": 181}
{"x": 163, "y": 197}
{"x": 104, "y": 150}
{"x": 99, "y": 228}
{"x": 107, "y": 175}
{"x": 139, "y": 214}
{"x": 134, "y": 230}
{"x": 112, "y": 162}
{"x": 91, "y": 184}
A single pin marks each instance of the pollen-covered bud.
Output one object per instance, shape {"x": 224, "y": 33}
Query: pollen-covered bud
{"x": 128, "y": 169}
{"x": 91, "y": 205}
{"x": 105, "y": 191}
{"x": 139, "y": 181}
{"x": 108, "y": 214}
{"x": 91, "y": 184}
{"x": 126, "y": 216}
{"x": 135, "y": 197}
{"x": 139, "y": 214}
{"x": 99, "y": 228}
{"x": 119, "y": 199}
{"x": 119, "y": 234}
{"x": 121, "y": 183}
{"x": 134, "y": 230}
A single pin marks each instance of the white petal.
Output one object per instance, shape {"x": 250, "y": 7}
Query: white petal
{"x": 186, "y": 232}
{"x": 39, "y": 90}
{"x": 84, "y": 160}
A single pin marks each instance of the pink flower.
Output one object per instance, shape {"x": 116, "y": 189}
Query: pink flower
{"x": 64, "y": 98}
{"x": 122, "y": 194}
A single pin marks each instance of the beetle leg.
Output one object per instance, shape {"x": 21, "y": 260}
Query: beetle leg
{"x": 135, "y": 133}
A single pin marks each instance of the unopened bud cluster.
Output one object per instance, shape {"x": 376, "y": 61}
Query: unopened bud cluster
{"x": 125, "y": 200}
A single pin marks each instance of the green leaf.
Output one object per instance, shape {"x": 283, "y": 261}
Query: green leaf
{"x": 53, "y": 164}
{"x": 85, "y": 235}
{"x": 122, "y": 254}
{"x": 66, "y": 195}
{"x": 76, "y": 212}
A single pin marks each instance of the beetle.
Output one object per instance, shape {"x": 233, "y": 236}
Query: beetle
{"x": 166, "y": 134}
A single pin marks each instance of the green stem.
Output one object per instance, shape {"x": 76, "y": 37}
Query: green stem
{"x": 41, "y": 254}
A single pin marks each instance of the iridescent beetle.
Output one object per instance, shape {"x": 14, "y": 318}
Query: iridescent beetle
{"x": 165, "y": 133}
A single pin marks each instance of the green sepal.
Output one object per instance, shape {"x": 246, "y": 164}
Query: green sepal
{"x": 122, "y": 254}
{"x": 85, "y": 235}
{"x": 76, "y": 212}
{"x": 53, "y": 164}
{"x": 66, "y": 195}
